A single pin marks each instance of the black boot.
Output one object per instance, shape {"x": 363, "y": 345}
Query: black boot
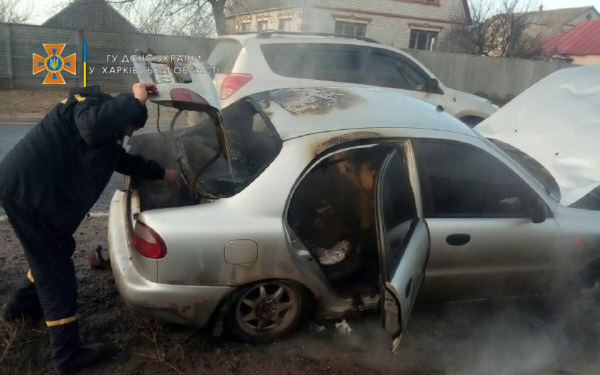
{"x": 86, "y": 357}
{"x": 23, "y": 304}
{"x": 67, "y": 353}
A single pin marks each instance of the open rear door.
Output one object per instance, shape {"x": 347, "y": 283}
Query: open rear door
{"x": 403, "y": 240}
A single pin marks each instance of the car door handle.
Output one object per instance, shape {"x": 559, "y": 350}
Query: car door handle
{"x": 458, "y": 239}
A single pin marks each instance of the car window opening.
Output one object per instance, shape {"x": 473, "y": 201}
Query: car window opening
{"x": 460, "y": 181}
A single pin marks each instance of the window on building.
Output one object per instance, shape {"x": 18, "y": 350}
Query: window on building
{"x": 262, "y": 25}
{"x": 350, "y": 28}
{"x": 285, "y": 25}
{"x": 245, "y": 26}
{"x": 423, "y": 39}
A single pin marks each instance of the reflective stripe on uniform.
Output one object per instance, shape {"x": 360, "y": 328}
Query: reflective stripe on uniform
{"x": 60, "y": 322}
{"x": 79, "y": 97}
{"x": 30, "y": 276}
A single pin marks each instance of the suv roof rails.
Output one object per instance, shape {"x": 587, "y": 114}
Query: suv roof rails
{"x": 265, "y": 34}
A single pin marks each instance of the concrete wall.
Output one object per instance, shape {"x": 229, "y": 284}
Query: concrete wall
{"x": 499, "y": 79}
{"x": 18, "y": 43}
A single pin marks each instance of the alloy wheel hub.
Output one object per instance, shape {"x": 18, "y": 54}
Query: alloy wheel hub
{"x": 266, "y": 309}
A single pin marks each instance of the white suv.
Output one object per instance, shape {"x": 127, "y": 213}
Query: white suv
{"x": 254, "y": 62}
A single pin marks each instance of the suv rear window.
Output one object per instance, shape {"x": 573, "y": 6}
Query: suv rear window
{"x": 224, "y": 54}
{"x": 327, "y": 62}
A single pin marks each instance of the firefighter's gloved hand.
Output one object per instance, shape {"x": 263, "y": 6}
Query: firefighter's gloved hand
{"x": 140, "y": 91}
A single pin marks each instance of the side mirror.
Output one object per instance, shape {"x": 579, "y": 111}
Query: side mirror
{"x": 540, "y": 211}
{"x": 433, "y": 85}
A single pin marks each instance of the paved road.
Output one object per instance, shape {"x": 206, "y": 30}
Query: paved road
{"x": 11, "y": 133}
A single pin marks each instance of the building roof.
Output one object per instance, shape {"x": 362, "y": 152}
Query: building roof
{"x": 560, "y": 16}
{"x": 97, "y": 15}
{"x": 583, "y": 39}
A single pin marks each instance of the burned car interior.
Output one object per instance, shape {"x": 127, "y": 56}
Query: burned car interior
{"x": 332, "y": 211}
{"x": 211, "y": 166}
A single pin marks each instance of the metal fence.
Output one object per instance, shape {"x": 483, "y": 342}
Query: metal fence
{"x": 499, "y": 79}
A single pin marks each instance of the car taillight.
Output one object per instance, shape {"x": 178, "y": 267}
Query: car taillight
{"x": 147, "y": 242}
{"x": 232, "y": 83}
{"x": 187, "y": 99}
{"x": 185, "y": 95}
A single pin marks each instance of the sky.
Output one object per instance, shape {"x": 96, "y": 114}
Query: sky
{"x": 44, "y": 9}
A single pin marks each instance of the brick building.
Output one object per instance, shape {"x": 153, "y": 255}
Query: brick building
{"x": 417, "y": 24}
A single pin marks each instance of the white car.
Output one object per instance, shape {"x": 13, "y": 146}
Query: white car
{"x": 250, "y": 63}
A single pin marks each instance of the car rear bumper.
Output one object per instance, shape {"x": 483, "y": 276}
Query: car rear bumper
{"x": 183, "y": 304}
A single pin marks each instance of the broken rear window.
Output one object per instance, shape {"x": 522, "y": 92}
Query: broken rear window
{"x": 251, "y": 142}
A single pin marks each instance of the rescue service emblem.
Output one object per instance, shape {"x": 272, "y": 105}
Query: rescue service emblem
{"x": 54, "y": 64}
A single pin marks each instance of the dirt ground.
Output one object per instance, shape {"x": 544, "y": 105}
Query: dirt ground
{"x": 510, "y": 337}
{"x": 534, "y": 337}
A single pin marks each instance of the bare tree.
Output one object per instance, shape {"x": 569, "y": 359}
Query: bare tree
{"x": 181, "y": 17}
{"x": 157, "y": 17}
{"x": 496, "y": 28}
{"x": 10, "y": 12}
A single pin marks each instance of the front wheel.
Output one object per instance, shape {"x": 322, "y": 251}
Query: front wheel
{"x": 264, "y": 311}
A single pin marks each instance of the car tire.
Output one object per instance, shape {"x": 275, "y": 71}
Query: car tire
{"x": 262, "y": 312}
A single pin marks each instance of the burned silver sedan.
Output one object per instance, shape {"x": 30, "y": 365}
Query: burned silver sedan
{"x": 326, "y": 202}
{"x": 287, "y": 210}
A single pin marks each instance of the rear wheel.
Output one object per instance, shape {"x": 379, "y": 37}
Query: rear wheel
{"x": 264, "y": 311}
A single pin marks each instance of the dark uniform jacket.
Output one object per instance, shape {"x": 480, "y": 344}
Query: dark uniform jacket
{"x": 60, "y": 168}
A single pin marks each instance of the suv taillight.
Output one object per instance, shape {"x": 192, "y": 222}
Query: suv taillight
{"x": 232, "y": 83}
{"x": 147, "y": 242}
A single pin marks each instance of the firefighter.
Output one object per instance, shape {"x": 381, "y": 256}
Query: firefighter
{"x": 48, "y": 183}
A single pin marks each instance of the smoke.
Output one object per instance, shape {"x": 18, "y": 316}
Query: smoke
{"x": 518, "y": 337}
{"x": 510, "y": 341}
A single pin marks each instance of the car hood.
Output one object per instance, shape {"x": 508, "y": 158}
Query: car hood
{"x": 557, "y": 122}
